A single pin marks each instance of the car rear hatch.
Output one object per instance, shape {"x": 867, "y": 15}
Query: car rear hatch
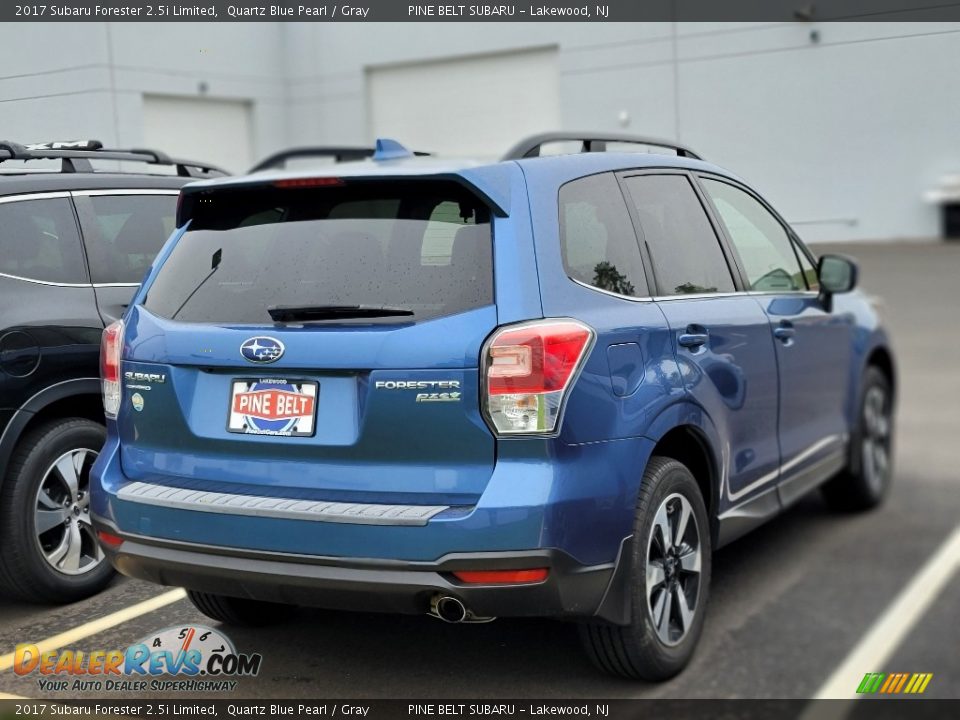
{"x": 316, "y": 341}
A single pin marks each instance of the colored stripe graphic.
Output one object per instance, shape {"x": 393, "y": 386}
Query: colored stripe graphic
{"x": 894, "y": 683}
{"x": 870, "y": 683}
{"x": 901, "y": 681}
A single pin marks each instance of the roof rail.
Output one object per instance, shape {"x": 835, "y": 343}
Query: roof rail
{"x": 339, "y": 153}
{"x": 75, "y": 156}
{"x": 590, "y": 142}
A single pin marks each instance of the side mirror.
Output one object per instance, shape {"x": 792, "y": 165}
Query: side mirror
{"x": 836, "y": 274}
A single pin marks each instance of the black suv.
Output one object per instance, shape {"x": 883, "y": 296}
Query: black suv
{"x": 75, "y": 242}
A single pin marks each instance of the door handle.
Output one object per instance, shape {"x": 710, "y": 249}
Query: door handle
{"x": 784, "y": 331}
{"x": 694, "y": 337}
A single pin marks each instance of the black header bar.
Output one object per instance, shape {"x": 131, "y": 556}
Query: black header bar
{"x": 483, "y": 709}
{"x": 431, "y": 11}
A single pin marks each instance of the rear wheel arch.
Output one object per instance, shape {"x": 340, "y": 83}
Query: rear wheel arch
{"x": 689, "y": 445}
{"x": 638, "y": 639}
{"x": 882, "y": 359}
{"x": 70, "y": 399}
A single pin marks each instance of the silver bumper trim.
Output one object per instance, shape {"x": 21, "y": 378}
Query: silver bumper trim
{"x": 281, "y": 508}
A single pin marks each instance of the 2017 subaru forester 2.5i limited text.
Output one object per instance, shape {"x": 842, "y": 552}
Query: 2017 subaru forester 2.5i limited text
{"x": 547, "y": 386}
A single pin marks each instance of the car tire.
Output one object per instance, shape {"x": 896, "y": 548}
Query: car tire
{"x": 660, "y": 639}
{"x": 48, "y": 548}
{"x": 866, "y": 480}
{"x": 242, "y": 612}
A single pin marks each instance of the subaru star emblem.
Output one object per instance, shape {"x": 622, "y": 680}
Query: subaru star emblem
{"x": 262, "y": 349}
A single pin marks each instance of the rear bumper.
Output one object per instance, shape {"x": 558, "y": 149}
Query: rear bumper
{"x": 567, "y": 508}
{"x": 542, "y": 494}
{"x": 375, "y": 585}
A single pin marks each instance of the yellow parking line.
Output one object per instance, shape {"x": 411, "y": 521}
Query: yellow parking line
{"x": 105, "y": 623}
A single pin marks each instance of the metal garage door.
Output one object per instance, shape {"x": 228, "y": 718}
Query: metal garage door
{"x": 214, "y": 131}
{"x": 477, "y": 106}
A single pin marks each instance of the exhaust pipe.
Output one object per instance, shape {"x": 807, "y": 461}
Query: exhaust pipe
{"x": 452, "y": 610}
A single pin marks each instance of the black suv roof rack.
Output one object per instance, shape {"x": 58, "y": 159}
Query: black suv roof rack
{"x": 591, "y": 142}
{"x": 75, "y": 156}
{"x": 339, "y": 154}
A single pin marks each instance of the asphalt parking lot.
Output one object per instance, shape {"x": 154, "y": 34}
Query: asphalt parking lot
{"x": 790, "y": 602}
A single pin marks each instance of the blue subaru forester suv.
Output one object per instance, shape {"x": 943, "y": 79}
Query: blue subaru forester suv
{"x": 547, "y": 386}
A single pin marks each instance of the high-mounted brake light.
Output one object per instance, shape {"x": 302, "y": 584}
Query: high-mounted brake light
{"x": 111, "y": 348}
{"x": 527, "y": 372}
{"x": 308, "y": 182}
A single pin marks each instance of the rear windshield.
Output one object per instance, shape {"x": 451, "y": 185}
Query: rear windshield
{"x": 423, "y": 247}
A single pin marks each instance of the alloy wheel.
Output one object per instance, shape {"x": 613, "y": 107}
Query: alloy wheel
{"x": 62, "y": 524}
{"x": 875, "y": 446}
{"x": 673, "y": 569}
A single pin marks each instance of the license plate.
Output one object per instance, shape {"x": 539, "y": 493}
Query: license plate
{"x": 273, "y": 406}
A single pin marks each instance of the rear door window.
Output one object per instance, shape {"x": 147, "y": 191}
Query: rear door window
{"x": 39, "y": 240}
{"x": 422, "y": 246}
{"x": 686, "y": 254}
{"x": 597, "y": 240}
{"x": 123, "y": 233}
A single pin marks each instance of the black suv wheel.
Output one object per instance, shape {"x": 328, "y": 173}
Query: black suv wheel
{"x": 50, "y": 550}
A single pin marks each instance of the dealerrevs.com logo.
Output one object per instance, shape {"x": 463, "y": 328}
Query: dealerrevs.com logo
{"x": 203, "y": 659}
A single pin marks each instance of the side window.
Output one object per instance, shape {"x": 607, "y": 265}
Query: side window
{"x": 764, "y": 247}
{"x": 39, "y": 241}
{"x": 125, "y": 233}
{"x": 597, "y": 240}
{"x": 686, "y": 254}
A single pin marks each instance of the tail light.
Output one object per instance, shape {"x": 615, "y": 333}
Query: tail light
{"x": 111, "y": 349}
{"x": 528, "y": 370}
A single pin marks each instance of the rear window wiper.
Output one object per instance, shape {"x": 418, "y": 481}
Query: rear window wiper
{"x": 293, "y": 313}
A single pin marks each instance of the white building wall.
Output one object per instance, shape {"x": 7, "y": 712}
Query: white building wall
{"x": 843, "y": 135}
{"x": 87, "y": 80}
